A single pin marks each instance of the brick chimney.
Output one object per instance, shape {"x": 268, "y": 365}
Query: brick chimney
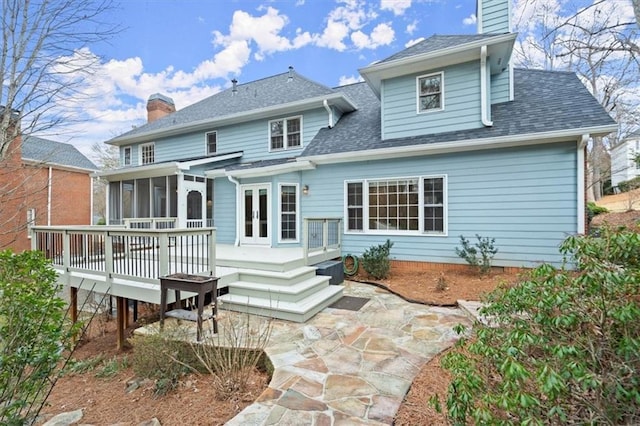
{"x": 158, "y": 106}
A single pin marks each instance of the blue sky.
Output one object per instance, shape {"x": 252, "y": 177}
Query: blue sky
{"x": 192, "y": 49}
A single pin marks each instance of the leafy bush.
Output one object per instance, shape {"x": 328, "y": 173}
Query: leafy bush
{"x": 484, "y": 247}
{"x": 629, "y": 185}
{"x": 163, "y": 360}
{"x": 593, "y": 210}
{"x": 375, "y": 260}
{"x": 566, "y": 349}
{"x": 33, "y": 334}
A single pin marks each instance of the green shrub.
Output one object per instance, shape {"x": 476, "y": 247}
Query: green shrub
{"x": 163, "y": 360}
{"x": 479, "y": 256}
{"x": 375, "y": 260}
{"x": 593, "y": 210}
{"x": 566, "y": 348}
{"x": 629, "y": 185}
{"x": 34, "y": 336}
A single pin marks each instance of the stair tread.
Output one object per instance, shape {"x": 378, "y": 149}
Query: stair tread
{"x": 275, "y": 288}
{"x": 301, "y": 306}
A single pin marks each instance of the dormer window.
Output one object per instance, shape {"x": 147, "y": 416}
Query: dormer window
{"x": 285, "y": 133}
{"x": 430, "y": 92}
{"x": 147, "y": 153}
{"x": 212, "y": 143}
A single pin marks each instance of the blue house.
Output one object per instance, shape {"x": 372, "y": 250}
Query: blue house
{"x": 442, "y": 139}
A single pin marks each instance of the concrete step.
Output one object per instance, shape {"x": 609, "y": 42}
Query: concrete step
{"x": 299, "y": 311}
{"x": 286, "y": 293}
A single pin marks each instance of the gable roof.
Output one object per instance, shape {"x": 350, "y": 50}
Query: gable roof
{"x": 280, "y": 93}
{"x": 434, "y": 43}
{"x": 545, "y": 102}
{"x": 49, "y": 152}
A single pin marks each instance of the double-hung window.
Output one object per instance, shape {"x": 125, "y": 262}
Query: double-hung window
{"x": 212, "y": 143}
{"x": 288, "y": 212}
{"x": 412, "y": 205}
{"x": 430, "y": 92}
{"x": 126, "y": 156}
{"x": 147, "y": 153}
{"x": 285, "y": 133}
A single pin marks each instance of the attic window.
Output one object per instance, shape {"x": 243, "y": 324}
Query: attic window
{"x": 285, "y": 133}
{"x": 212, "y": 142}
{"x": 430, "y": 92}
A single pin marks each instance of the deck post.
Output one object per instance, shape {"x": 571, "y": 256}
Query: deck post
{"x": 212, "y": 253}
{"x": 325, "y": 235}
{"x": 163, "y": 254}
{"x": 120, "y": 313}
{"x": 108, "y": 258}
{"x": 73, "y": 304}
{"x": 305, "y": 240}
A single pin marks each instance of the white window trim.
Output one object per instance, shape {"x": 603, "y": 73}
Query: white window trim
{"x": 418, "y": 111}
{"x": 141, "y": 146}
{"x": 285, "y": 134}
{"x": 124, "y": 156}
{"x": 31, "y": 220}
{"x": 297, "y": 239}
{"x": 420, "y": 231}
{"x": 206, "y": 143}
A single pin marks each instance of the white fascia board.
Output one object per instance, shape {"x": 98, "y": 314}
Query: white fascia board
{"x": 57, "y": 166}
{"x": 374, "y": 74}
{"x": 340, "y": 100}
{"x": 464, "y": 145}
{"x": 151, "y": 170}
{"x": 293, "y": 166}
{"x": 186, "y": 165}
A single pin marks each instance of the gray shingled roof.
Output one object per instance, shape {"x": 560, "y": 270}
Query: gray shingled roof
{"x": 544, "y": 101}
{"x": 51, "y": 152}
{"x": 436, "y": 42}
{"x": 267, "y": 92}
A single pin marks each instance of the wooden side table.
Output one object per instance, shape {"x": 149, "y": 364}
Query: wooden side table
{"x": 195, "y": 284}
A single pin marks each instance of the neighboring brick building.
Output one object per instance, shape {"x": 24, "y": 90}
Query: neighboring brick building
{"x": 42, "y": 182}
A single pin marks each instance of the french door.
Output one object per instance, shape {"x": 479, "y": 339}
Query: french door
{"x": 256, "y": 217}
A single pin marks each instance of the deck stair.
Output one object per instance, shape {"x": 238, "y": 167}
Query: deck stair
{"x": 289, "y": 292}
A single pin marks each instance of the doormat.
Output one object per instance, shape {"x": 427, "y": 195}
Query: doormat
{"x": 349, "y": 303}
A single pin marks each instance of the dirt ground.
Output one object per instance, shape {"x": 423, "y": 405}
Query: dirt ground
{"x": 621, "y": 202}
{"x": 105, "y": 400}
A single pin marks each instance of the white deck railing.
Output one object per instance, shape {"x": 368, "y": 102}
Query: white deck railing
{"x": 151, "y": 223}
{"x": 114, "y": 252}
{"x": 321, "y": 234}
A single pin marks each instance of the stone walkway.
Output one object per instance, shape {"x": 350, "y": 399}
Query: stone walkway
{"x": 345, "y": 367}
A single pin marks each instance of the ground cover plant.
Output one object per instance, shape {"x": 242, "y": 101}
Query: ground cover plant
{"x": 565, "y": 345}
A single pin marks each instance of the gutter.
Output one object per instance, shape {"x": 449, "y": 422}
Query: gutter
{"x": 457, "y": 146}
{"x": 238, "y": 201}
{"x": 484, "y": 110}
{"x": 325, "y": 103}
{"x": 49, "y": 196}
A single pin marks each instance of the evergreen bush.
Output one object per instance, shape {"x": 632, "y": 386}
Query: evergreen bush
{"x": 375, "y": 260}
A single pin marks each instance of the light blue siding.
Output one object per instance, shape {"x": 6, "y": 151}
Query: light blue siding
{"x": 525, "y": 198}
{"x": 495, "y": 16}
{"x": 461, "y": 103}
{"x": 224, "y": 210}
{"x": 251, "y": 137}
{"x": 500, "y": 87}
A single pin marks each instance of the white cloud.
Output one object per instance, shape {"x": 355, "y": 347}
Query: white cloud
{"x": 398, "y": 7}
{"x": 382, "y": 35}
{"x": 412, "y": 27}
{"x": 412, "y": 42}
{"x": 470, "y": 20}
{"x": 344, "y": 80}
{"x": 333, "y": 35}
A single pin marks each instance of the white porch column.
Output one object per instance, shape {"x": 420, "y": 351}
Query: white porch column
{"x": 182, "y": 202}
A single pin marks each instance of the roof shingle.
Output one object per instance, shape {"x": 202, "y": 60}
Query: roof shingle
{"x": 50, "y": 152}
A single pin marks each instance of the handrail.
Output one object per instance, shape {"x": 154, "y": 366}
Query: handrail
{"x": 118, "y": 252}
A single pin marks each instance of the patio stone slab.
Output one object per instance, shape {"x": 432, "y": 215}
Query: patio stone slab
{"x": 347, "y": 367}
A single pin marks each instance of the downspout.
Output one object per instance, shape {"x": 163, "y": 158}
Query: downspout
{"x": 238, "y": 201}
{"x": 483, "y": 88}
{"x": 581, "y": 196}
{"x": 49, "y": 196}
{"x": 329, "y": 111}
